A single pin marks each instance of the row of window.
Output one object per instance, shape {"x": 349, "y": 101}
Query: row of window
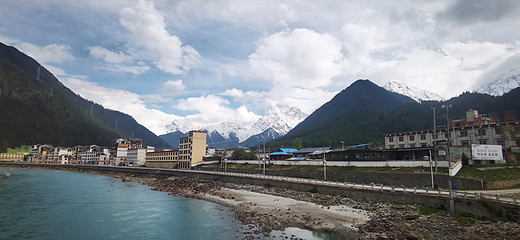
{"x": 463, "y": 133}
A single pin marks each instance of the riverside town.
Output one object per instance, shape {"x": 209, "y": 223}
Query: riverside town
{"x": 478, "y": 136}
{"x": 295, "y": 120}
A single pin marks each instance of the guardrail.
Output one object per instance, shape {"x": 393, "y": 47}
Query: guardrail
{"x": 372, "y": 187}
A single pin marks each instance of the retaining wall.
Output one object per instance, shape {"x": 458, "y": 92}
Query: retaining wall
{"x": 420, "y": 180}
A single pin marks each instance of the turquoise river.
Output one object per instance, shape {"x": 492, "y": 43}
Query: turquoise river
{"x": 48, "y": 204}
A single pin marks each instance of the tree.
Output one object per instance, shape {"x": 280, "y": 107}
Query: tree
{"x": 241, "y": 154}
{"x": 297, "y": 143}
{"x": 238, "y": 154}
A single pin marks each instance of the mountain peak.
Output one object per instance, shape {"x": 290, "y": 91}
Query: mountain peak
{"x": 502, "y": 84}
{"x": 414, "y": 93}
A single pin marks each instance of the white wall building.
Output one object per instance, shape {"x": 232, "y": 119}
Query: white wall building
{"x": 137, "y": 156}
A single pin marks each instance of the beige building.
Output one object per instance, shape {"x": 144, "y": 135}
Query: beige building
{"x": 12, "y": 157}
{"x": 165, "y": 159}
{"x": 193, "y": 147}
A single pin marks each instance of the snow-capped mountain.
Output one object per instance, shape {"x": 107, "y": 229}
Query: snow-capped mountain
{"x": 502, "y": 84}
{"x": 277, "y": 121}
{"x": 280, "y": 118}
{"x": 414, "y": 93}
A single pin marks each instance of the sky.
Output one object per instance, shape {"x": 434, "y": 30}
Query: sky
{"x": 197, "y": 63}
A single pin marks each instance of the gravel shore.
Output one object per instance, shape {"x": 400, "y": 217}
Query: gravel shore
{"x": 271, "y": 208}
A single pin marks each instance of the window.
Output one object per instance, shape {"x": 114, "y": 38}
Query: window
{"x": 482, "y": 132}
{"x": 391, "y": 146}
{"x": 423, "y": 145}
{"x": 401, "y": 138}
{"x": 411, "y": 138}
{"x": 483, "y": 141}
{"x": 391, "y": 139}
{"x": 463, "y": 133}
{"x": 464, "y": 143}
{"x": 423, "y": 136}
{"x": 412, "y": 145}
{"x": 498, "y": 131}
{"x": 500, "y": 141}
{"x": 401, "y": 145}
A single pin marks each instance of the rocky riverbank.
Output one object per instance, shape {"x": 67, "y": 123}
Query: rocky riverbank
{"x": 271, "y": 208}
{"x": 375, "y": 220}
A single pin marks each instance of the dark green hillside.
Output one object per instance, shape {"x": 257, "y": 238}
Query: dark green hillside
{"x": 360, "y": 96}
{"x": 368, "y": 123}
{"x": 39, "y": 109}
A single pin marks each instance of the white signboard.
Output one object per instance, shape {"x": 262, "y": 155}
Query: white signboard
{"x": 487, "y": 152}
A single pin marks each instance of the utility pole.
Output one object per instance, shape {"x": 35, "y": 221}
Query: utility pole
{"x": 264, "y": 154}
{"x": 324, "y": 166}
{"x": 435, "y": 136}
{"x": 452, "y": 203}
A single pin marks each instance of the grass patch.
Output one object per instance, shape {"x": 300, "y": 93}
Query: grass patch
{"x": 468, "y": 218}
{"x": 427, "y": 210}
{"x": 473, "y": 172}
{"x": 20, "y": 149}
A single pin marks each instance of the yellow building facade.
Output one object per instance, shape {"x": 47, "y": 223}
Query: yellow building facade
{"x": 165, "y": 159}
{"x": 12, "y": 157}
{"x": 193, "y": 147}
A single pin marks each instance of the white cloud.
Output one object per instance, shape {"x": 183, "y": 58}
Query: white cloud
{"x": 212, "y": 110}
{"x": 150, "y": 40}
{"x": 297, "y": 64}
{"x": 300, "y": 57}
{"x": 153, "y": 98}
{"x": 477, "y": 55}
{"x": 173, "y": 87}
{"x": 117, "y": 61}
{"x": 52, "y": 53}
{"x": 124, "y": 101}
{"x": 108, "y": 56}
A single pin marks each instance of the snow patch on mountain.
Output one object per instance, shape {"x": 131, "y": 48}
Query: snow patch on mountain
{"x": 414, "y": 93}
{"x": 501, "y": 84}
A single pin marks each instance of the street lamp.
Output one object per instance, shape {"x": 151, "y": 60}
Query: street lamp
{"x": 452, "y": 203}
{"x": 342, "y": 145}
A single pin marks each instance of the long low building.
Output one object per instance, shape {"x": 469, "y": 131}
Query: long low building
{"x": 166, "y": 159}
{"x": 12, "y": 157}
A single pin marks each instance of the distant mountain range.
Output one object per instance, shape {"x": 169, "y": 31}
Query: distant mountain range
{"x": 277, "y": 121}
{"x": 37, "y": 108}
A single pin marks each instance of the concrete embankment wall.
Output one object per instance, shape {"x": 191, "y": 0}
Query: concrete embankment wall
{"x": 483, "y": 208}
{"x": 420, "y": 180}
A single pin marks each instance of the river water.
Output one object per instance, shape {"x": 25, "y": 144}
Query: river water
{"x": 48, "y": 204}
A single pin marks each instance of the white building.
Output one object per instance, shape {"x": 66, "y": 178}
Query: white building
{"x": 137, "y": 156}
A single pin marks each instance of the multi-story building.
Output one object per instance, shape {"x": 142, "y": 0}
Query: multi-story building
{"x": 193, "y": 147}
{"x": 93, "y": 155}
{"x": 12, "y": 157}
{"x": 474, "y": 129}
{"x": 119, "y": 150}
{"x": 165, "y": 159}
{"x": 137, "y": 156}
